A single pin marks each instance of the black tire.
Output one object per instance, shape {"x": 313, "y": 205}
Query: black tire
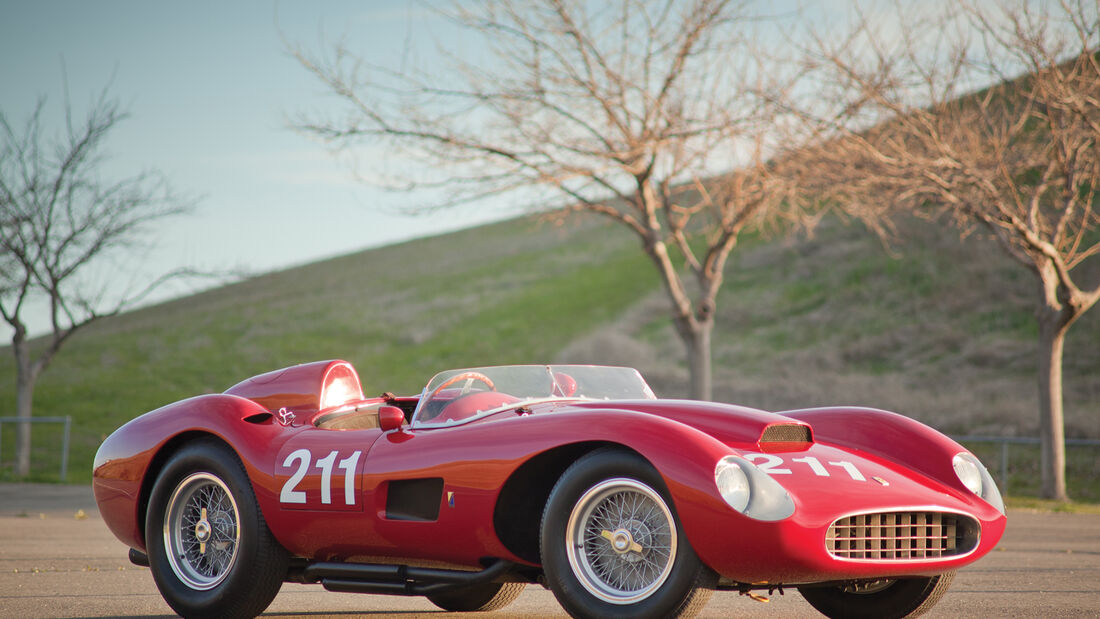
{"x": 478, "y": 598}
{"x": 887, "y": 599}
{"x": 639, "y": 564}
{"x": 210, "y": 551}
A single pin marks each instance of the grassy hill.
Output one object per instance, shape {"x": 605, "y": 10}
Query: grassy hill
{"x": 938, "y": 329}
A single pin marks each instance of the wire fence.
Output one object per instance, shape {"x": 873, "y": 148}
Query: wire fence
{"x": 66, "y": 431}
{"x": 1014, "y": 463}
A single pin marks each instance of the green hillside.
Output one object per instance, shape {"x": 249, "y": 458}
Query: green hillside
{"x": 935, "y": 328}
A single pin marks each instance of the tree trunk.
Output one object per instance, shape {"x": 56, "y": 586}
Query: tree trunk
{"x": 1052, "y": 436}
{"x": 693, "y": 327}
{"x": 26, "y": 374}
{"x": 23, "y": 397}
{"x": 698, "y": 353}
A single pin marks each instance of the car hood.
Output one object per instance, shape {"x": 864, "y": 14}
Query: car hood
{"x": 840, "y": 456}
{"x": 737, "y": 426}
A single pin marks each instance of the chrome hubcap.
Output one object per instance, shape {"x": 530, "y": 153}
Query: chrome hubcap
{"x": 202, "y": 530}
{"x": 621, "y": 541}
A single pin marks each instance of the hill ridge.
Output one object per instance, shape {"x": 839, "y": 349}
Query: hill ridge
{"x": 944, "y": 333}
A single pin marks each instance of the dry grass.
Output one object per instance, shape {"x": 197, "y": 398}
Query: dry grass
{"x": 941, "y": 330}
{"x": 943, "y": 334}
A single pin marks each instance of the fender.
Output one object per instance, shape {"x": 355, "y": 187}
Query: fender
{"x": 888, "y": 436}
{"x": 128, "y": 461}
{"x": 462, "y": 534}
{"x": 242, "y": 417}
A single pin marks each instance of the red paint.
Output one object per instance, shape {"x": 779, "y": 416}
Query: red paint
{"x": 390, "y": 418}
{"x": 305, "y": 388}
{"x": 337, "y": 507}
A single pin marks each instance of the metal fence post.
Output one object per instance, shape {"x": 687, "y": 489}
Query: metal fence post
{"x": 65, "y": 447}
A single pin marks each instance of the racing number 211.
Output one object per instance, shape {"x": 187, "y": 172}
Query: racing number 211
{"x": 772, "y": 466}
{"x": 290, "y": 493}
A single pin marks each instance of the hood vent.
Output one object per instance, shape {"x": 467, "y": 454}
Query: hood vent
{"x": 786, "y": 433}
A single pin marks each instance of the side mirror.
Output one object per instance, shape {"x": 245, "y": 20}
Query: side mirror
{"x": 390, "y": 418}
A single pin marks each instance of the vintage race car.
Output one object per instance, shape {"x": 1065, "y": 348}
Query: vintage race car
{"x": 575, "y": 477}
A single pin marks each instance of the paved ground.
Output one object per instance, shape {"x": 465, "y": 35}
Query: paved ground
{"x": 55, "y": 563}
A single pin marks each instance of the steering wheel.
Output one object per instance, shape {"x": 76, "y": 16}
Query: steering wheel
{"x": 463, "y": 376}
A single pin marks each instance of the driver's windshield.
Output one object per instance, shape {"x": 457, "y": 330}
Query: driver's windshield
{"x": 459, "y": 395}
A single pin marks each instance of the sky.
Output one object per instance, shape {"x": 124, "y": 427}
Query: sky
{"x": 211, "y": 90}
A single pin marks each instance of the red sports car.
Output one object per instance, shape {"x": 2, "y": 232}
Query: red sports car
{"x": 575, "y": 477}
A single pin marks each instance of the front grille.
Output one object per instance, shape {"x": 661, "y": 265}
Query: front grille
{"x": 786, "y": 433}
{"x": 902, "y": 536}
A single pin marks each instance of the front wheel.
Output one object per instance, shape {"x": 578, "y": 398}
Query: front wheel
{"x": 478, "y": 598}
{"x": 881, "y": 599}
{"x": 612, "y": 546}
{"x": 210, "y": 551}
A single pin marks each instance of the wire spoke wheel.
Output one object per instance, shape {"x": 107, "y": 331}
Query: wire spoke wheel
{"x": 209, "y": 547}
{"x": 611, "y": 546}
{"x": 201, "y": 531}
{"x": 621, "y": 541}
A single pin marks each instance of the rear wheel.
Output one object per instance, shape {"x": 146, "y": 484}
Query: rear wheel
{"x": 210, "y": 551}
{"x": 880, "y": 599}
{"x": 612, "y": 547}
{"x": 476, "y": 598}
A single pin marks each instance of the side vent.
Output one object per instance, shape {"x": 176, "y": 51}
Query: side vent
{"x": 257, "y": 418}
{"x": 414, "y": 499}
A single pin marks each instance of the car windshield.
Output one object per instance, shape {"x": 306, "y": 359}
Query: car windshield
{"x": 459, "y": 395}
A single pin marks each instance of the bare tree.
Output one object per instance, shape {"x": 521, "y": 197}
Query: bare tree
{"x": 626, "y": 109}
{"x": 58, "y": 221}
{"x": 992, "y": 116}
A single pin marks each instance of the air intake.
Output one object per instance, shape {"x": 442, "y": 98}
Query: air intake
{"x": 902, "y": 536}
{"x": 786, "y": 433}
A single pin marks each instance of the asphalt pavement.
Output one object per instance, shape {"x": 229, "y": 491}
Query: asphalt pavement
{"x": 57, "y": 559}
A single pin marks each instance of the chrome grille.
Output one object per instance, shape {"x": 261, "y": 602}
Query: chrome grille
{"x": 902, "y": 536}
{"x": 786, "y": 433}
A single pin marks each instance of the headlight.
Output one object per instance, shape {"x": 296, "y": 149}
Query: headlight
{"x": 977, "y": 479}
{"x": 751, "y": 491}
{"x": 732, "y": 483}
{"x": 968, "y": 472}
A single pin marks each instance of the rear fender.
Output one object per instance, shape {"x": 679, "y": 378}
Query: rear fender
{"x": 129, "y": 460}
